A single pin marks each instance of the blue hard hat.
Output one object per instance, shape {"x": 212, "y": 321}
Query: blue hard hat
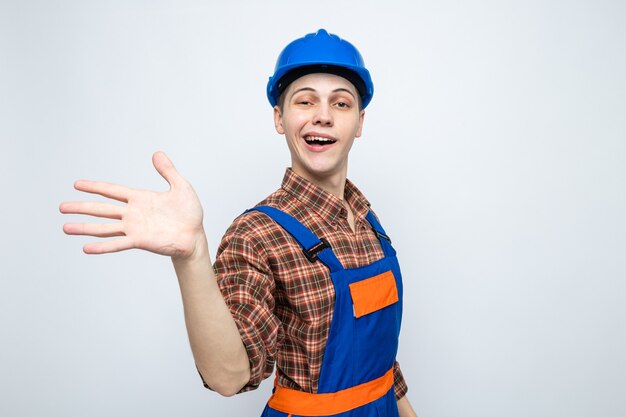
{"x": 320, "y": 52}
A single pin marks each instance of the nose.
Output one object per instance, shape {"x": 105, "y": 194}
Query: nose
{"x": 323, "y": 116}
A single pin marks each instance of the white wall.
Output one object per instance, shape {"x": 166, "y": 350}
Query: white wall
{"x": 494, "y": 151}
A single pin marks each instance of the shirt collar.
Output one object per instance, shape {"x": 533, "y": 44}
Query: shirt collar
{"x": 321, "y": 201}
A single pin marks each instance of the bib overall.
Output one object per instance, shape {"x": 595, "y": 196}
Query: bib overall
{"x": 356, "y": 377}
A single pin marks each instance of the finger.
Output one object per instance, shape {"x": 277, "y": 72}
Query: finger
{"x": 106, "y": 210}
{"x": 166, "y": 168}
{"x": 97, "y": 230}
{"x": 106, "y": 189}
{"x": 110, "y": 246}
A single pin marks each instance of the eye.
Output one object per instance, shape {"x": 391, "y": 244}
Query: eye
{"x": 343, "y": 105}
{"x": 303, "y": 101}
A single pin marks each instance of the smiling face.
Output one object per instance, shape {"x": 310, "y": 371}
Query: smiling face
{"x": 320, "y": 119}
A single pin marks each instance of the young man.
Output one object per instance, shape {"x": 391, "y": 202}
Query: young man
{"x": 306, "y": 280}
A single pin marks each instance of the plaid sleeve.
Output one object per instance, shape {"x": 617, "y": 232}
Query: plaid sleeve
{"x": 247, "y": 285}
{"x": 399, "y": 384}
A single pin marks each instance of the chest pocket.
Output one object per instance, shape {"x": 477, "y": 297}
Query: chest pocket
{"x": 372, "y": 294}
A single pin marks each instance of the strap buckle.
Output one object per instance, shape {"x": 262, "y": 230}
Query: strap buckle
{"x": 381, "y": 235}
{"x": 312, "y": 253}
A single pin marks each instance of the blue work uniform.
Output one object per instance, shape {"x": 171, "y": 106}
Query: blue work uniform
{"x": 356, "y": 378}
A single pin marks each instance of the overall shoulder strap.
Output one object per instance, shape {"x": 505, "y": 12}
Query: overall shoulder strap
{"x": 385, "y": 241}
{"x": 313, "y": 247}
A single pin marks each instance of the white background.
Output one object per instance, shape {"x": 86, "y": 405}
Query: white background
{"x": 494, "y": 151}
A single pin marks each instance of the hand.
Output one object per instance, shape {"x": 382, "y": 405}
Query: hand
{"x": 168, "y": 223}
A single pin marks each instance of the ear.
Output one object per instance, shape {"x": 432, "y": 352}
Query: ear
{"x": 360, "y": 128}
{"x": 278, "y": 121}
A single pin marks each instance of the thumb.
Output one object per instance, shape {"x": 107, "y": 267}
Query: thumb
{"x": 166, "y": 168}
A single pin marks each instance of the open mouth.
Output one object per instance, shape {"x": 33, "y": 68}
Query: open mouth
{"x": 318, "y": 140}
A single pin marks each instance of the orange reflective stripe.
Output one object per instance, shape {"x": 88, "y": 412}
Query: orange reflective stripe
{"x": 374, "y": 293}
{"x": 291, "y": 401}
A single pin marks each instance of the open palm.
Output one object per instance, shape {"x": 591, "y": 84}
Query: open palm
{"x": 168, "y": 223}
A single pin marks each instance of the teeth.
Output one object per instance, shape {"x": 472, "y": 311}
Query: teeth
{"x": 318, "y": 139}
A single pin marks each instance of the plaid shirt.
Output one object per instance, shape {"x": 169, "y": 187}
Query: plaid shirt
{"x": 281, "y": 302}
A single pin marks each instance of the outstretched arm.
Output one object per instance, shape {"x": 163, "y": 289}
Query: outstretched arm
{"x": 405, "y": 409}
{"x": 217, "y": 348}
{"x": 170, "y": 223}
